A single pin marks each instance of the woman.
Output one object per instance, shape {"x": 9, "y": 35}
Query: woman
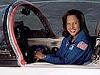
{"x": 75, "y": 47}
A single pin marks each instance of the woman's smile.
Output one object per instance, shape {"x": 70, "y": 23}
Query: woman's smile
{"x": 73, "y": 30}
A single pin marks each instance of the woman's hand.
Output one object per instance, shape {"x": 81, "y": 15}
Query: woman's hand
{"x": 39, "y": 55}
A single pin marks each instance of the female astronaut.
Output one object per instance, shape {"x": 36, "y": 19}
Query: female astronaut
{"x": 75, "y": 48}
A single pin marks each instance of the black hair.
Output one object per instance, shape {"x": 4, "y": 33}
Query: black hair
{"x": 80, "y": 16}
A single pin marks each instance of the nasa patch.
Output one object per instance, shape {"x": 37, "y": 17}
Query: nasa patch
{"x": 71, "y": 46}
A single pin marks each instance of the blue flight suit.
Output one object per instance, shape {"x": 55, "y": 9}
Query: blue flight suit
{"x": 78, "y": 52}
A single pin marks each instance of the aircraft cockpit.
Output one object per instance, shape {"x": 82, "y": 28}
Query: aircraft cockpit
{"x": 26, "y": 27}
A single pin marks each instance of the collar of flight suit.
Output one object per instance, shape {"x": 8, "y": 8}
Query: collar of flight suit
{"x": 80, "y": 36}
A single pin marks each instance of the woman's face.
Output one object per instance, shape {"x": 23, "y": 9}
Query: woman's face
{"x": 73, "y": 25}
